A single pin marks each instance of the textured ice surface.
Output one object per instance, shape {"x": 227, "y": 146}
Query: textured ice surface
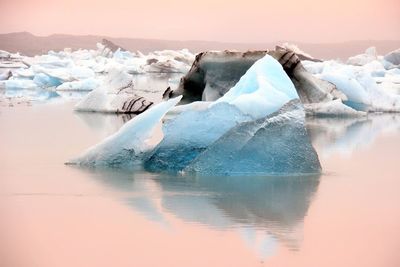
{"x": 264, "y": 89}
{"x": 115, "y": 95}
{"x": 368, "y": 87}
{"x": 190, "y": 133}
{"x": 275, "y": 145}
{"x": 334, "y": 108}
{"x": 88, "y": 84}
{"x": 130, "y": 143}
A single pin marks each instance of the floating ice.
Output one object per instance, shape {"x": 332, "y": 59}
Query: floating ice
{"x": 115, "y": 95}
{"x": 130, "y": 143}
{"x": 393, "y": 58}
{"x": 362, "y": 59}
{"x": 188, "y": 134}
{"x": 277, "y": 144}
{"x": 43, "y": 80}
{"x": 368, "y": 88}
{"x": 82, "y": 69}
{"x": 262, "y": 90}
{"x": 88, "y": 84}
{"x": 22, "y": 84}
{"x": 334, "y": 108}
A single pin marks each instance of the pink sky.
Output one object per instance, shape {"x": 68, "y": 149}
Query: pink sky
{"x": 238, "y": 21}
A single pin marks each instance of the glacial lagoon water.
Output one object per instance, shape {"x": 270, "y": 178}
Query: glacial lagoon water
{"x": 54, "y": 215}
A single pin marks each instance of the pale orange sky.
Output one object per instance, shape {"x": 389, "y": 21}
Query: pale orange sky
{"x": 223, "y": 20}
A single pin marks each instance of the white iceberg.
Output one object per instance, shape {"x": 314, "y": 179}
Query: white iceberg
{"x": 362, "y": 59}
{"x": 334, "y": 108}
{"x": 393, "y": 58}
{"x": 115, "y": 95}
{"x": 78, "y": 70}
{"x": 88, "y": 84}
{"x": 366, "y": 87}
{"x": 20, "y": 84}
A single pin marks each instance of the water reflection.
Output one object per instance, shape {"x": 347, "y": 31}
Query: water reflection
{"x": 264, "y": 211}
{"x": 106, "y": 124}
{"x": 345, "y": 135}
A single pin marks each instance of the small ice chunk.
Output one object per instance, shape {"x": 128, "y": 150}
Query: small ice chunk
{"x": 88, "y": 84}
{"x": 362, "y": 59}
{"x": 334, "y": 108}
{"x": 20, "y": 84}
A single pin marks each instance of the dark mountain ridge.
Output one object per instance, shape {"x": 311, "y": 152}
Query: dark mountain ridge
{"x": 30, "y": 45}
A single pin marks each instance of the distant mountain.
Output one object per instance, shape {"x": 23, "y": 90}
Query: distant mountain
{"x": 29, "y": 44}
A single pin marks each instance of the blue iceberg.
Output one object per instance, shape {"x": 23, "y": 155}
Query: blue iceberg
{"x": 276, "y": 145}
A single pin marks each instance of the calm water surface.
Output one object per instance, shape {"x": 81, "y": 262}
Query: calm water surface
{"x": 55, "y": 215}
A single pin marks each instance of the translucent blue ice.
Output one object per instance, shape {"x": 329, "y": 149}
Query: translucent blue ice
{"x": 275, "y": 145}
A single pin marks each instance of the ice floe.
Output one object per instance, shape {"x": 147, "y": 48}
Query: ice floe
{"x": 84, "y": 70}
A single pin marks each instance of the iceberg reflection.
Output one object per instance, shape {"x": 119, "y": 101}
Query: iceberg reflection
{"x": 263, "y": 211}
{"x": 345, "y": 135}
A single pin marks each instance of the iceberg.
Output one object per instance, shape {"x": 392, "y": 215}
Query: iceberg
{"x": 43, "y": 80}
{"x": 264, "y": 89}
{"x": 275, "y": 145}
{"x": 393, "y": 58}
{"x": 261, "y": 91}
{"x": 362, "y": 59}
{"x": 300, "y": 53}
{"x": 79, "y": 70}
{"x": 115, "y": 95}
{"x": 367, "y": 88}
{"x": 334, "y": 108}
{"x": 5, "y": 75}
{"x": 20, "y": 84}
{"x": 214, "y": 73}
{"x": 129, "y": 145}
{"x": 362, "y": 91}
{"x": 189, "y": 133}
{"x": 88, "y": 84}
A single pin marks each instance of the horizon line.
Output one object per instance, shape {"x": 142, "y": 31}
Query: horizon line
{"x": 205, "y": 41}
